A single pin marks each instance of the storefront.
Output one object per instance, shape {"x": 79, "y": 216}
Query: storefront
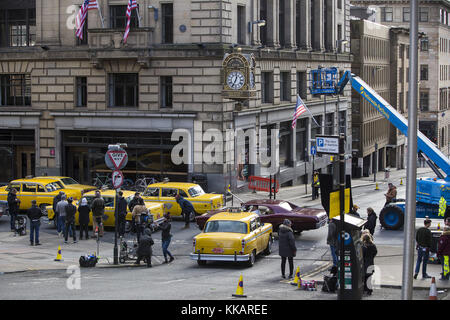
{"x": 149, "y": 155}
{"x": 17, "y": 154}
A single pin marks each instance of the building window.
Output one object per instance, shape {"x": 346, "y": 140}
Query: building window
{"x": 424, "y": 44}
{"x": 263, "y": 16}
{"x": 166, "y": 92}
{"x": 119, "y": 17}
{"x": 18, "y": 27}
{"x": 424, "y": 101}
{"x": 285, "y": 150}
{"x": 339, "y": 4}
{"x": 84, "y": 41}
{"x": 15, "y": 90}
{"x": 343, "y": 122}
{"x": 285, "y": 86}
{"x": 167, "y": 22}
{"x": 387, "y": 14}
{"x": 81, "y": 92}
{"x": 241, "y": 24}
{"x": 266, "y": 87}
{"x": 123, "y": 90}
{"x": 302, "y": 85}
{"x": 329, "y": 124}
{"x": 300, "y": 141}
{"x": 406, "y": 14}
{"x": 423, "y": 14}
{"x": 424, "y": 72}
{"x": 315, "y": 129}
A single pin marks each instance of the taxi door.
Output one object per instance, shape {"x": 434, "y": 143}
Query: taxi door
{"x": 26, "y": 194}
{"x": 168, "y": 196}
{"x": 260, "y": 235}
{"x": 255, "y": 231}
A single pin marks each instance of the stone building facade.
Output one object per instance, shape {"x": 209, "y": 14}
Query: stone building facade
{"x": 381, "y": 60}
{"x": 64, "y": 100}
{"x": 434, "y": 69}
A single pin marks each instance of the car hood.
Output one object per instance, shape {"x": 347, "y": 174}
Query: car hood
{"x": 309, "y": 212}
{"x": 206, "y": 197}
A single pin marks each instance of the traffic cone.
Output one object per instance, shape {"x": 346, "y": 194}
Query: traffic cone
{"x": 58, "y": 255}
{"x": 376, "y": 186}
{"x": 401, "y": 182}
{"x": 297, "y": 277}
{"x": 433, "y": 290}
{"x": 240, "y": 289}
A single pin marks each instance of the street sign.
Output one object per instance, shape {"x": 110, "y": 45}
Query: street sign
{"x": 313, "y": 150}
{"x": 116, "y": 159}
{"x": 117, "y": 179}
{"x": 327, "y": 144}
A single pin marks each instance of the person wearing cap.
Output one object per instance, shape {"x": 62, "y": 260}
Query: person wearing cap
{"x": 424, "y": 240}
{"x": 144, "y": 250}
{"x": 186, "y": 209}
{"x": 166, "y": 236}
{"x": 61, "y": 209}
{"x": 287, "y": 249}
{"x": 354, "y": 211}
{"x": 34, "y": 214}
{"x": 70, "y": 221}
{"x": 83, "y": 218}
{"x": 98, "y": 210}
{"x": 13, "y": 207}
{"x": 57, "y": 199}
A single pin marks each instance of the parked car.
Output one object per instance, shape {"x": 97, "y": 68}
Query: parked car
{"x": 70, "y": 183}
{"x": 3, "y": 208}
{"x": 165, "y": 192}
{"x": 232, "y": 236}
{"x": 41, "y": 190}
{"x": 275, "y": 211}
{"x": 156, "y": 208}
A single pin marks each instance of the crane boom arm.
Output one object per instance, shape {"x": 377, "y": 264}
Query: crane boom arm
{"x": 397, "y": 120}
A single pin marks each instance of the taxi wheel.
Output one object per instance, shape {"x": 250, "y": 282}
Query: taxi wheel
{"x": 252, "y": 259}
{"x": 268, "y": 250}
{"x": 201, "y": 262}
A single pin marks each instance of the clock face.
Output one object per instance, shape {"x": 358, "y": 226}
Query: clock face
{"x": 235, "y": 80}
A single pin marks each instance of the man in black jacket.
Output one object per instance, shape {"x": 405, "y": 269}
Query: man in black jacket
{"x": 121, "y": 213}
{"x": 144, "y": 250}
{"x": 57, "y": 199}
{"x": 13, "y": 207}
{"x": 287, "y": 249}
{"x": 34, "y": 214}
{"x": 166, "y": 236}
{"x": 98, "y": 210}
{"x": 424, "y": 240}
{"x": 70, "y": 220}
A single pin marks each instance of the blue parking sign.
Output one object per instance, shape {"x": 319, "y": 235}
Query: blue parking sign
{"x": 320, "y": 142}
{"x": 313, "y": 150}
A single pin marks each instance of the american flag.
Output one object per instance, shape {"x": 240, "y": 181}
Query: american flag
{"x": 82, "y": 15}
{"x": 300, "y": 108}
{"x": 132, "y": 4}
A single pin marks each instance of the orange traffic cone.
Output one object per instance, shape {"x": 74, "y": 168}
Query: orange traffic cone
{"x": 58, "y": 255}
{"x": 433, "y": 290}
{"x": 297, "y": 277}
{"x": 240, "y": 289}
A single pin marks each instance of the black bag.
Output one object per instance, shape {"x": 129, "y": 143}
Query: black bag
{"x": 88, "y": 261}
{"x": 329, "y": 284}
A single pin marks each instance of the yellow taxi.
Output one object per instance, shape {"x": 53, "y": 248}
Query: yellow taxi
{"x": 165, "y": 192}
{"x": 41, "y": 190}
{"x": 70, "y": 183}
{"x": 156, "y": 209}
{"x": 233, "y": 235}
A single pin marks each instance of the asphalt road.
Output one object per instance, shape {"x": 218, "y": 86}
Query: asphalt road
{"x": 184, "y": 279}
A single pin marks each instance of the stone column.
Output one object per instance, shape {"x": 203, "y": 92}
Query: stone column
{"x": 318, "y": 21}
{"x": 255, "y": 39}
{"x": 305, "y": 28}
{"x": 272, "y": 23}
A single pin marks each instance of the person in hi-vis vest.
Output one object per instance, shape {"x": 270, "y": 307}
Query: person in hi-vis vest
{"x": 443, "y": 253}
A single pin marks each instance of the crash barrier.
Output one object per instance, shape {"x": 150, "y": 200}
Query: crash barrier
{"x": 262, "y": 184}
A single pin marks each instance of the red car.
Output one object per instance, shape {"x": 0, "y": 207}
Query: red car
{"x": 276, "y": 211}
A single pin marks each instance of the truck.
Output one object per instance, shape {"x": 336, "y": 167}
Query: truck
{"x": 429, "y": 191}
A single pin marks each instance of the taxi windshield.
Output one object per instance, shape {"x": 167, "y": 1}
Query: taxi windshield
{"x": 53, "y": 186}
{"x": 196, "y": 191}
{"x": 226, "y": 226}
{"x": 69, "y": 181}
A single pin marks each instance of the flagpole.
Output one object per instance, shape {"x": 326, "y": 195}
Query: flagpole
{"x": 139, "y": 17}
{"x": 101, "y": 16}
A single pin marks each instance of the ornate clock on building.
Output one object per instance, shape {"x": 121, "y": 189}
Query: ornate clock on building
{"x": 235, "y": 80}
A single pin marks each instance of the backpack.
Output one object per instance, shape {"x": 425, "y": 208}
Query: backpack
{"x": 88, "y": 261}
{"x": 329, "y": 283}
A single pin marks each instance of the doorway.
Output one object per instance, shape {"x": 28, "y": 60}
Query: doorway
{"x": 26, "y": 161}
